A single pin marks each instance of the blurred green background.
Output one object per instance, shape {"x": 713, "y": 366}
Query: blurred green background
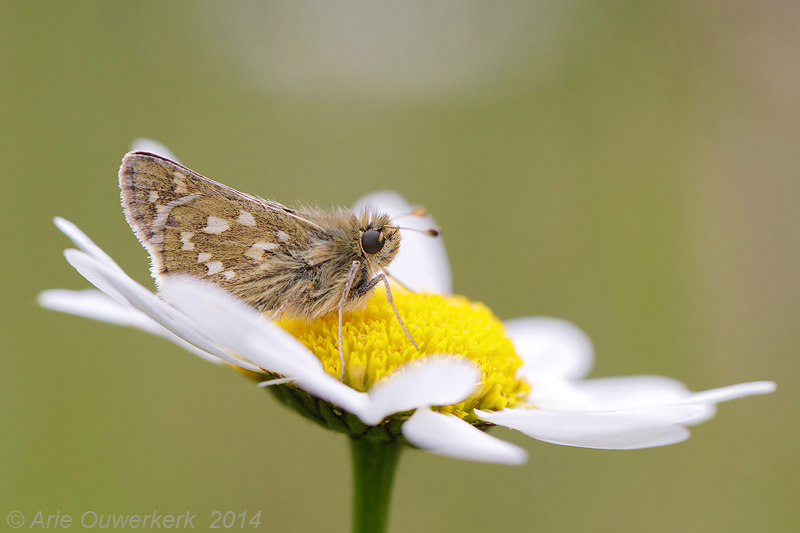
{"x": 631, "y": 166}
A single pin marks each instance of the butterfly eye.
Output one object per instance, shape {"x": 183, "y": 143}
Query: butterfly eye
{"x": 372, "y": 241}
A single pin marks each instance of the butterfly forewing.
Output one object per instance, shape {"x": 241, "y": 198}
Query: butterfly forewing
{"x": 193, "y": 225}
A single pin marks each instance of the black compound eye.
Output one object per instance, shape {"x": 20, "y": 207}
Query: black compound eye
{"x": 372, "y": 241}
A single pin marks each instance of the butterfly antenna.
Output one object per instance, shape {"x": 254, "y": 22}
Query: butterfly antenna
{"x": 430, "y": 232}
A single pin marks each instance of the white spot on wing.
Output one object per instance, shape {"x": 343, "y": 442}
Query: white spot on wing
{"x": 203, "y": 257}
{"x": 257, "y": 250}
{"x": 246, "y": 219}
{"x": 152, "y": 197}
{"x": 216, "y": 225}
{"x": 214, "y": 267}
{"x": 180, "y": 183}
{"x": 186, "y": 239}
{"x": 228, "y": 274}
{"x": 283, "y": 236}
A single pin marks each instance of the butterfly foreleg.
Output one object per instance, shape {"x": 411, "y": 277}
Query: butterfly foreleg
{"x": 382, "y": 277}
{"x": 351, "y": 275}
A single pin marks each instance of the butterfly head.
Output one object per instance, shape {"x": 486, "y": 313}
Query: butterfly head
{"x": 379, "y": 239}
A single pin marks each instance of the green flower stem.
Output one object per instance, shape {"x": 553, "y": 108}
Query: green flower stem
{"x": 374, "y": 465}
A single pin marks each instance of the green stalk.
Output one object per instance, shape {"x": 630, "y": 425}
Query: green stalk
{"x": 374, "y": 465}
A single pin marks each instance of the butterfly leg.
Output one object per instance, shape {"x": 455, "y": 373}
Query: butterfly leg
{"x": 351, "y": 276}
{"x": 368, "y": 286}
{"x": 382, "y": 276}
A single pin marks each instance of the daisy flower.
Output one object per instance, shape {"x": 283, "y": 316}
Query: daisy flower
{"x": 472, "y": 371}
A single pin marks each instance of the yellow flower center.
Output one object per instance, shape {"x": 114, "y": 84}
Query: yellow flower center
{"x": 374, "y": 344}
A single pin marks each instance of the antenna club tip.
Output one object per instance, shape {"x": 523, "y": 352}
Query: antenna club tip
{"x": 433, "y": 232}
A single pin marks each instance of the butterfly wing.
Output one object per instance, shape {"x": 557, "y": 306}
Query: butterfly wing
{"x": 193, "y": 225}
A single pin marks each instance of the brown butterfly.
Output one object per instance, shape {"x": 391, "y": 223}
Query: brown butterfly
{"x": 305, "y": 263}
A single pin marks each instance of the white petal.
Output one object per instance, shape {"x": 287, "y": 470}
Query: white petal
{"x": 450, "y": 436}
{"x": 118, "y": 285}
{"x": 641, "y": 419}
{"x": 557, "y": 393}
{"x": 421, "y": 264}
{"x": 87, "y": 266}
{"x": 143, "y": 144}
{"x": 704, "y": 403}
{"x": 245, "y": 331}
{"x": 334, "y": 391}
{"x": 616, "y": 393}
{"x": 650, "y": 389}
{"x": 434, "y": 380}
{"x": 642, "y": 392}
{"x": 658, "y": 404}
{"x": 91, "y": 303}
{"x": 237, "y": 326}
{"x": 682, "y": 414}
{"x": 731, "y": 392}
{"x": 83, "y": 242}
{"x": 550, "y": 346}
{"x": 610, "y": 431}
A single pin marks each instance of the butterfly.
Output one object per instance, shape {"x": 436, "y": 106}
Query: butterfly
{"x": 301, "y": 263}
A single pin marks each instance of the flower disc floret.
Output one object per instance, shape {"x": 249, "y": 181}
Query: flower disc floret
{"x": 374, "y": 345}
